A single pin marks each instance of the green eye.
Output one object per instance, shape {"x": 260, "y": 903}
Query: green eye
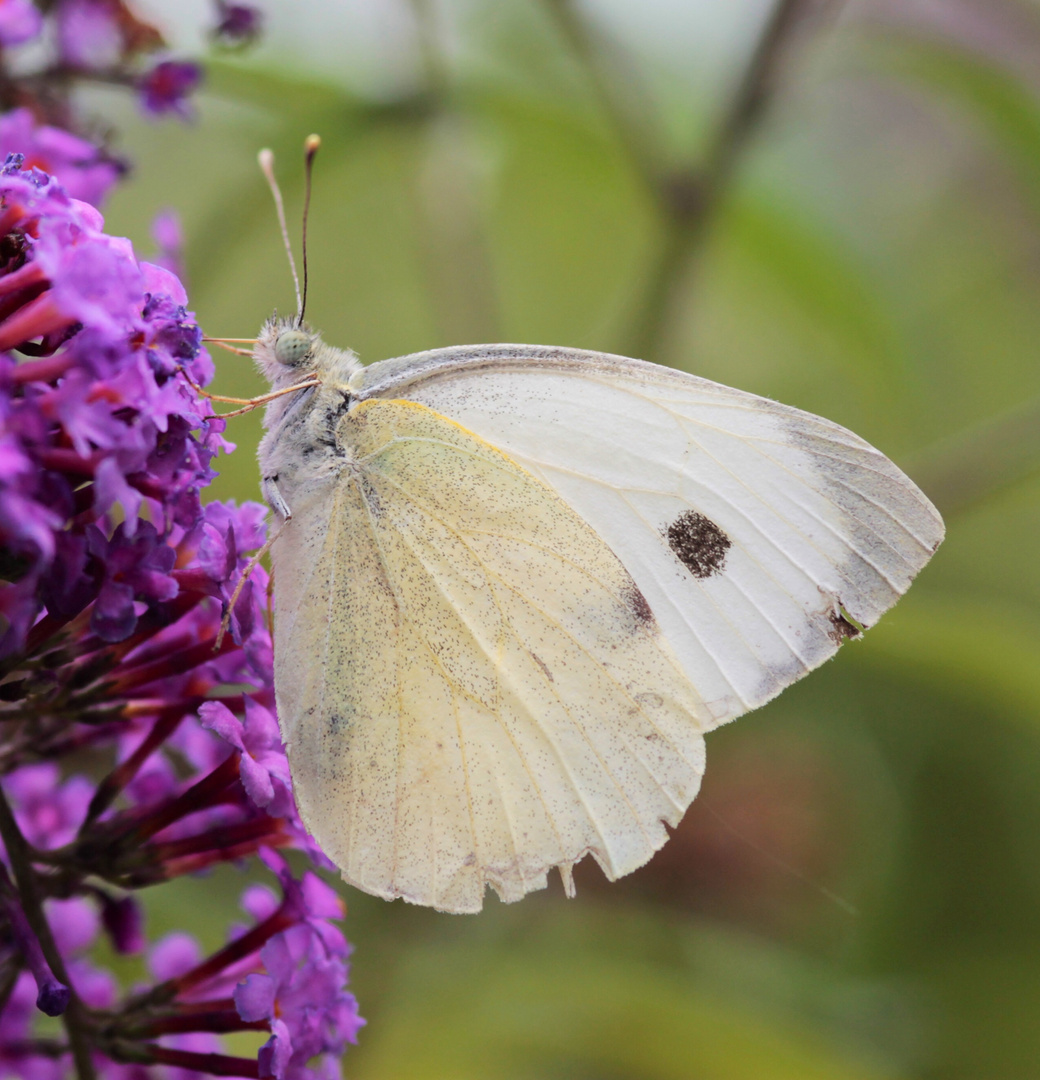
{"x": 292, "y": 346}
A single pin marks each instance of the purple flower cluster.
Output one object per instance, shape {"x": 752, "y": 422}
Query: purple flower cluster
{"x": 96, "y": 39}
{"x": 113, "y": 581}
{"x": 81, "y": 41}
{"x": 79, "y": 166}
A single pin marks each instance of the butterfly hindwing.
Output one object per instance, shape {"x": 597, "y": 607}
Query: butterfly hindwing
{"x": 472, "y": 687}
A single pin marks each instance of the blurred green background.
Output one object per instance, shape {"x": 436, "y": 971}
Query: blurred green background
{"x": 839, "y": 209}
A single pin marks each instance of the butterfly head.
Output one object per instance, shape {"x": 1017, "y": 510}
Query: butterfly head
{"x": 283, "y": 349}
{"x": 288, "y": 352}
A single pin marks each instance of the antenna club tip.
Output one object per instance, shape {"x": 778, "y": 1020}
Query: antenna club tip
{"x": 312, "y": 144}
{"x": 266, "y": 158}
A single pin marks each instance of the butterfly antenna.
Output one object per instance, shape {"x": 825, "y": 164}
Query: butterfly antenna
{"x": 266, "y": 159}
{"x": 310, "y": 148}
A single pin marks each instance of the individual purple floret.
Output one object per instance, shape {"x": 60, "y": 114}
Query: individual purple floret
{"x": 124, "y": 922}
{"x": 49, "y": 812}
{"x": 89, "y": 35}
{"x": 237, "y": 24}
{"x": 169, "y": 238}
{"x": 166, "y": 87}
{"x": 20, "y": 21}
{"x": 263, "y": 765}
{"x": 52, "y": 995}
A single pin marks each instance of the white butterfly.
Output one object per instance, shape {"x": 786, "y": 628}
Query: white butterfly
{"x": 517, "y": 584}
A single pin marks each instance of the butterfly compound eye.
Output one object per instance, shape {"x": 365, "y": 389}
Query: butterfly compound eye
{"x": 292, "y": 346}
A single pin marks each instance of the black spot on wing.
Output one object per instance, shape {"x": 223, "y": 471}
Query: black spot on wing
{"x": 699, "y": 544}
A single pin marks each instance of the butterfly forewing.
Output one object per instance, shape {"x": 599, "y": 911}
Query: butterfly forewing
{"x": 472, "y": 687}
{"x": 758, "y": 534}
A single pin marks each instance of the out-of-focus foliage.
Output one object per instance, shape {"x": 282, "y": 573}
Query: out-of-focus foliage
{"x": 856, "y": 893}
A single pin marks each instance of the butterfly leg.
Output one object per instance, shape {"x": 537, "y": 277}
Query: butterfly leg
{"x": 225, "y": 622}
{"x": 273, "y": 498}
{"x": 248, "y": 404}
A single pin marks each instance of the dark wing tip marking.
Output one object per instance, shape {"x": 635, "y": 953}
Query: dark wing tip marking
{"x": 843, "y": 627}
{"x": 699, "y": 544}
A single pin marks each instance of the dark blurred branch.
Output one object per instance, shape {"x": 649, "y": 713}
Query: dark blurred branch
{"x": 435, "y": 70}
{"x": 690, "y": 199}
{"x": 965, "y": 470}
{"x": 629, "y": 124}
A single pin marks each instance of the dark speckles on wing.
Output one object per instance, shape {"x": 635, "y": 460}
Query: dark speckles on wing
{"x": 637, "y": 604}
{"x": 699, "y": 544}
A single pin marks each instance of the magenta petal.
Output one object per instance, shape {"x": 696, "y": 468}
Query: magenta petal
{"x": 88, "y": 34}
{"x": 256, "y": 780}
{"x": 259, "y": 902}
{"x": 254, "y": 998}
{"x": 261, "y": 728}
{"x": 322, "y": 900}
{"x": 278, "y": 959}
{"x": 19, "y": 22}
{"x": 157, "y": 279}
{"x": 276, "y": 1053}
{"x": 74, "y": 923}
{"x": 96, "y": 986}
{"x": 216, "y": 716}
{"x": 174, "y": 955}
{"x": 114, "y": 618}
{"x": 111, "y": 487}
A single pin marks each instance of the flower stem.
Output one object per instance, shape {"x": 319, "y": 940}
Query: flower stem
{"x": 237, "y": 950}
{"x": 698, "y": 197}
{"x": 228, "y": 837}
{"x": 25, "y": 877}
{"x": 214, "y": 1064}
{"x": 197, "y": 797}
{"x": 219, "y": 1021}
{"x": 53, "y": 996}
{"x": 120, "y": 776}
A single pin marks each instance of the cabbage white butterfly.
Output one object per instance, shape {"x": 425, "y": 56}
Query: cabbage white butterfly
{"x": 515, "y": 585}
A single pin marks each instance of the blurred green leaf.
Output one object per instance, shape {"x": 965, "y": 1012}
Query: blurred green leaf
{"x": 983, "y": 649}
{"x": 812, "y": 279}
{"x": 1004, "y": 106}
{"x": 567, "y": 1002}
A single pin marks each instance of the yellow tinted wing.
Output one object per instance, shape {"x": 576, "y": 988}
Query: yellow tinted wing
{"x": 471, "y": 687}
